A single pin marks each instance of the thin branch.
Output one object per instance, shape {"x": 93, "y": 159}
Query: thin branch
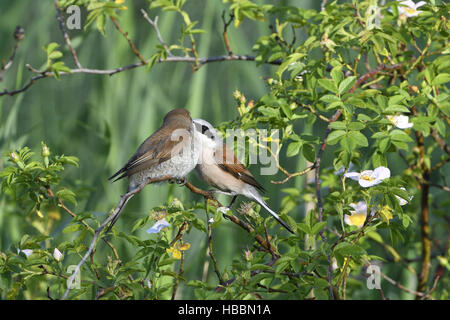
{"x": 422, "y": 295}
{"x": 66, "y": 35}
{"x": 247, "y": 227}
{"x": 154, "y": 24}
{"x": 130, "y": 42}
{"x": 293, "y": 175}
{"x": 225, "y": 28}
{"x": 115, "y": 214}
{"x": 441, "y": 142}
{"x": 210, "y": 246}
{"x": 319, "y": 196}
{"x": 19, "y": 34}
{"x": 110, "y": 72}
{"x": 373, "y": 73}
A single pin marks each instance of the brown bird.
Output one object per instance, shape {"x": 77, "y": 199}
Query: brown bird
{"x": 170, "y": 151}
{"x": 220, "y": 168}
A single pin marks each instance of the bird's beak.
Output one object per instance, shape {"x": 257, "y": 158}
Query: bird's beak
{"x": 198, "y": 126}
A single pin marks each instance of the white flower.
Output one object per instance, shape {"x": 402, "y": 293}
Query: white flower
{"x": 403, "y": 201}
{"x": 401, "y": 121}
{"x": 27, "y": 252}
{"x": 211, "y": 220}
{"x": 409, "y": 8}
{"x": 160, "y": 224}
{"x": 57, "y": 254}
{"x": 369, "y": 178}
{"x": 358, "y": 216}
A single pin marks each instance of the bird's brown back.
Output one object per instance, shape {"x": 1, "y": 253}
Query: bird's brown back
{"x": 159, "y": 147}
{"x": 227, "y": 160}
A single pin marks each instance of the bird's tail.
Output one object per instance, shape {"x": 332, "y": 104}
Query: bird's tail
{"x": 254, "y": 194}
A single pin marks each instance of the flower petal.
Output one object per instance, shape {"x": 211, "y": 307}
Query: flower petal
{"x": 382, "y": 173}
{"x": 185, "y": 246}
{"x": 160, "y": 224}
{"x": 352, "y": 175}
{"x": 420, "y": 3}
{"x": 361, "y": 207}
{"x": 368, "y": 183}
{"x": 176, "y": 254}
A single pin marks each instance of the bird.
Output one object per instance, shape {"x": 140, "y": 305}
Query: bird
{"x": 219, "y": 167}
{"x": 172, "y": 150}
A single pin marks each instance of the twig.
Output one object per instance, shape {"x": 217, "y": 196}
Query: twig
{"x": 66, "y": 35}
{"x": 445, "y": 188}
{"x": 110, "y": 72}
{"x": 19, "y": 34}
{"x": 373, "y": 73}
{"x": 229, "y": 216}
{"x": 293, "y": 175}
{"x": 225, "y": 28}
{"x": 424, "y": 212}
{"x": 441, "y": 142}
{"x": 268, "y": 241}
{"x": 130, "y": 42}
{"x": 154, "y": 24}
{"x": 319, "y": 196}
{"x": 180, "y": 272}
{"x": 418, "y": 294}
{"x": 210, "y": 247}
{"x": 123, "y": 200}
{"x": 323, "y": 4}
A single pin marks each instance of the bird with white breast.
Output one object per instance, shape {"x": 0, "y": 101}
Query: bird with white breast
{"x": 219, "y": 167}
{"x": 173, "y": 151}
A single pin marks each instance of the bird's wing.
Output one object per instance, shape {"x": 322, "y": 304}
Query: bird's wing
{"x": 227, "y": 161}
{"x": 157, "y": 148}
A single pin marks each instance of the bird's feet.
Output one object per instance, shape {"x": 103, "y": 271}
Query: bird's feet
{"x": 181, "y": 181}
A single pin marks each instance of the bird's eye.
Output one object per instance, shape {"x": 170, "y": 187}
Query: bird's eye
{"x": 204, "y": 129}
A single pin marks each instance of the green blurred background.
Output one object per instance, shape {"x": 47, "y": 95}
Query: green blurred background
{"x": 102, "y": 120}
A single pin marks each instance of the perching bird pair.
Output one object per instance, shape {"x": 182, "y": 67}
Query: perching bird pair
{"x": 182, "y": 144}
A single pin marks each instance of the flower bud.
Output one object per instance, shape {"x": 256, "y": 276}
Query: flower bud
{"x": 45, "y": 150}
{"x": 14, "y": 157}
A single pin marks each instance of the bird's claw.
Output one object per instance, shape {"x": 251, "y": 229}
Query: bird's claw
{"x": 181, "y": 181}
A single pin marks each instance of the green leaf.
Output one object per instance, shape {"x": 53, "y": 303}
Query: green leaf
{"x": 51, "y": 47}
{"x": 318, "y": 227}
{"x": 337, "y": 75}
{"x": 73, "y": 228}
{"x": 55, "y": 55}
{"x": 440, "y": 79}
{"x": 67, "y": 195}
{"x": 395, "y": 100}
{"x": 328, "y": 85}
{"x": 338, "y": 125}
{"x": 346, "y": 84}
{"x": 329, "y": 98}
{"x": 309, "y": 152}
{"x": 349, "y": 249}
{"x": 400, "y": 135}
{"x": 335, "y": 136}
{"x": 293, "y": 148}
{"x": 358, "y": 138}
{"x": 356, "y": 126}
